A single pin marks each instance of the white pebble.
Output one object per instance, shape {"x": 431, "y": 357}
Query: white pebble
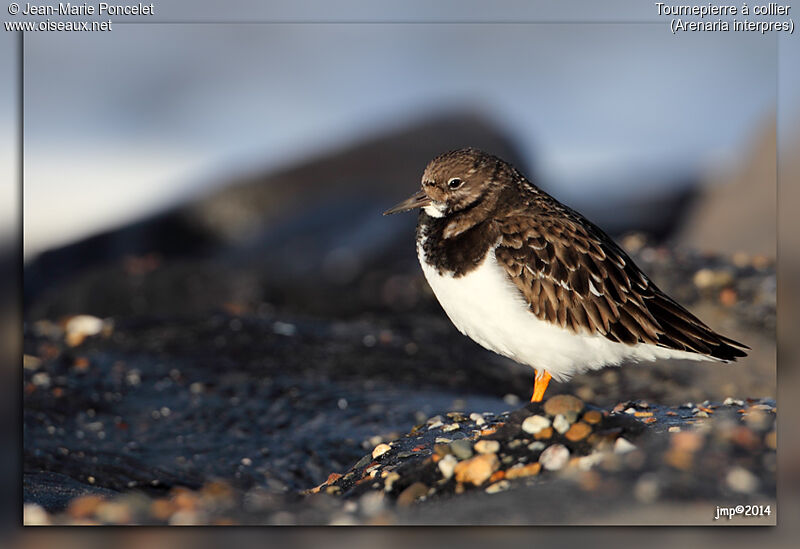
{"x": 447, "y": 465}
{"x": 560, "y": 424}
{"x": 379, "y": 450}
{"x": 451, "y": 427}
{"x": 623, "y": 446}
{"x": 534, "y": 424}
{"x": 741, "y": 480}
{"x": 498, "y": 487}
{"x": 477, "y": 418}
{"x": 34, "y": 515}
{"x": 487, "y": 446}
{"x": 554, "y": 457}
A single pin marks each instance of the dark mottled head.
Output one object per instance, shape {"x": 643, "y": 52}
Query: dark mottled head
{"x": 458, "y": 181}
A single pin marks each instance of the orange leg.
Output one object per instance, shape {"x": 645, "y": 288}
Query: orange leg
{"x": 540, "y": 381}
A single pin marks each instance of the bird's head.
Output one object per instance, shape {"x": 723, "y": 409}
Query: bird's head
{"x": 454, "y": 182}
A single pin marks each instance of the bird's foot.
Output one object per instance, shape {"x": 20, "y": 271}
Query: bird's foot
{"x": 540, "y": 381}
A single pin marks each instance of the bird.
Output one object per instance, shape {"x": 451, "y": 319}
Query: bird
{"x": 533, "y": 280}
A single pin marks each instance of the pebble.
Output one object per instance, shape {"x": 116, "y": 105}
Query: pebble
{"x": 521, "y": 471}
{"x": 391, "y": 478}
{"x": 443, "y": 440}
{"x": 477, "y": 470}
{"x": 554, "y": 457}
{"x": 451, "y": 427}
{"x": 534, "y": 424}
{"x": 592, "y": 417}
{"x": 741, "y": 480}
{"x": 498, "y": 487}
{"x": 544, "y": 434}
{"x": 623, "y": 446}
{"x": 708, "y": 278}
{"x": 674, "y": 429}
{"x": 560, "y": 424}
{"x": 536, "y": 445}
{"x": 379, "y": 450}
{"x": 730, "y": 401}
{"x": 34, "y": 515}
{"x": 371, "y": 503}
{"x": 587, "y": 462}
{"x": 462, "y": 448}
{"x": 487, "y": 446}
{"x": 561, "y": 404}
{"x": 646, "y": 489}
{"x": 477, "y": 418}
{"x": 442, "y": 449}
{"x": 412, "y": 494}
{"x": 80, "y": 327}
{"x": 434, "y": 425}
{"x": 447, "y": 465}
{"x": 578, "y": 431}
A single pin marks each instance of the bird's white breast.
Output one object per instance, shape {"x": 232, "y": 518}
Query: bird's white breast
{"x": 485, "y": 305}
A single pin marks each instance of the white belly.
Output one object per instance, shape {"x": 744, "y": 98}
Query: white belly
{"x": 486, "y": 306}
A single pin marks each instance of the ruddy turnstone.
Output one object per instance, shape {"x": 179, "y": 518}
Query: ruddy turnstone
{"x": 535, "y": 281}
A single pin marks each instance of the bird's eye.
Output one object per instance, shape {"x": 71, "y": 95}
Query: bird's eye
{"x": 454, "y": 183}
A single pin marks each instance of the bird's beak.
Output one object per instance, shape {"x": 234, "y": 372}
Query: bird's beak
{"x": 417, "y": 200}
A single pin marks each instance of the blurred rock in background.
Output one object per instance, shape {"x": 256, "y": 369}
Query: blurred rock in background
{"x": 736, "y": 210}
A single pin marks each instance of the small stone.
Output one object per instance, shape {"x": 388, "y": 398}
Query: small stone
{"x": 741, "y": 480}
{"x": 623, "y": 446}
{"x": 434, "y": 425}
{"x": 674, "y": 429}
{"x": 477, "y": 418}
{"x": 391, "y": 478}
{"x": 592, "y": 417}
{"x": 524, "y": 470}
{"x": 578, "y": 431}
{"x": 560, "y": 424}
{"x": 443, "y": 440}
{"x": 451, "y": 427}
{"x": 461, "y": 448}
{"x": 571, "y": 416}
{"x": 412, "y": 494}
{"x": 84, "y": 506}
{"x": 554, "y": 457}
{"x": 34, "y": 515}
{"x": 585, "y": 463}
{"x": 498, "y": 487}
{"x": 442, "y": 449}
{"x": 536, "y": 446}
{"x": 647, "y": 489}
{"x": 544, "y": 434}
{"x": 730, "y": 401}
{"x": 516, "y": 443}
{"x": 379, "y": 450}
{"x": 487, "y": 446}
{"x": 447, "y": 465}
{"x": 41, "y": 379}
{"x": 561, "y": 404}
{"x": 534, "y": 424}
{"x": 708, "y": 278}
{"x": 478, "y": 469}
{"x": 80, "y": 327}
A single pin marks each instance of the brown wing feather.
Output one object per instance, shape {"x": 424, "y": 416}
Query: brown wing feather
{"x": 574, "y": 276}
